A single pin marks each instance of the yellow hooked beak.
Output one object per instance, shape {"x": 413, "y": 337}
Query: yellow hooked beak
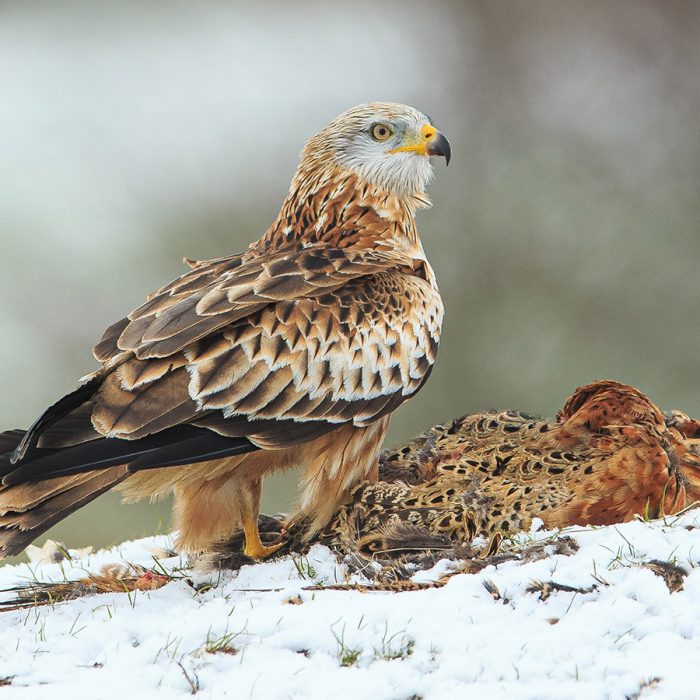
{"x": 430, "y": 143}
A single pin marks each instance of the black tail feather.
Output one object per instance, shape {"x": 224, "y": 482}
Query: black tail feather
{"x": 174, "y": 446}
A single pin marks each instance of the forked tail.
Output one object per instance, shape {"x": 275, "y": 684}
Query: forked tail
{"x": 27, "y": 510}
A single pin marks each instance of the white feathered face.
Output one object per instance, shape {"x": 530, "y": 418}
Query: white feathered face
{"x": 386, "y": 144}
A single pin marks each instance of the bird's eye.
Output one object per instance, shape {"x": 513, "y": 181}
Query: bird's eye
{"x": 380, "y": 132}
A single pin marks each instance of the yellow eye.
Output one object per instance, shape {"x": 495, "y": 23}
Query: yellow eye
{"x": 381, "y": 132}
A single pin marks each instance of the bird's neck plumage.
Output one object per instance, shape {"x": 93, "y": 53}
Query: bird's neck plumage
{"x": 332, "y": 206}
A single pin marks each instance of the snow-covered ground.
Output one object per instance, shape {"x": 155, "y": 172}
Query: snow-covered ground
{"x": 627, "y": 637}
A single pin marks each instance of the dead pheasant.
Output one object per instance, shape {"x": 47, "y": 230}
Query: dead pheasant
{"x": 609, "y": 455}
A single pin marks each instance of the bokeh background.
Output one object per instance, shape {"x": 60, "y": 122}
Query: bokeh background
{"x": 564, "y": 234}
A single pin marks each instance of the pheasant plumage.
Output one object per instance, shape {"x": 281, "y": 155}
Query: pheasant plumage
{"x": 609, "y": 455}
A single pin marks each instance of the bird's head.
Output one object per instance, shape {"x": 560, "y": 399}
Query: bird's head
{"x": 385, "y": 144}
{"x": 605, "y": 403}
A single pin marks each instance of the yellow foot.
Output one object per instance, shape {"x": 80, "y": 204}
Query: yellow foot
{"x": 254, "y": 548}
{"x": 257, "y": 550}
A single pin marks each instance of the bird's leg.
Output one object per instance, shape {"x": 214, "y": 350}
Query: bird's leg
{"x": 254, "y": 548}
{"x": 250, "y": 509}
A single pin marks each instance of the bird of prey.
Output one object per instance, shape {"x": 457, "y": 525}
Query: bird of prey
{"x": 293, "y": 353}
{"x": 609, "y": 455}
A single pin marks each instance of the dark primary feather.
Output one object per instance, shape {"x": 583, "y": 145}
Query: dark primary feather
{"x": 50, "y": 415}
{"x": 202, "y": 448}
{"x": 181, "y": 445}
{"x": 10, "y": 439}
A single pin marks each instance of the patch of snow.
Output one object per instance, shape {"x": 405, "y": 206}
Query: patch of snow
{"x": 259, "y": 633}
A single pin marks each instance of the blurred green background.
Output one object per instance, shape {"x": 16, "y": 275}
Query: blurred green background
{"x": 564, "y": 234}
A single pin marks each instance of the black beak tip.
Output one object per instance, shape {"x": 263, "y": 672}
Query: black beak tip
{"x": 440, "y": 146}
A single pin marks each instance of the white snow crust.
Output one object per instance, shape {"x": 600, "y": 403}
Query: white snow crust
{"x": 630, "y": 637}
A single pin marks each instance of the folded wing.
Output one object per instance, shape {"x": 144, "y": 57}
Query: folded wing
{"x": 269, "y": 353}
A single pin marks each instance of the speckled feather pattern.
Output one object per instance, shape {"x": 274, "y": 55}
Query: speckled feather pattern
{"x": 609, "y": 455}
